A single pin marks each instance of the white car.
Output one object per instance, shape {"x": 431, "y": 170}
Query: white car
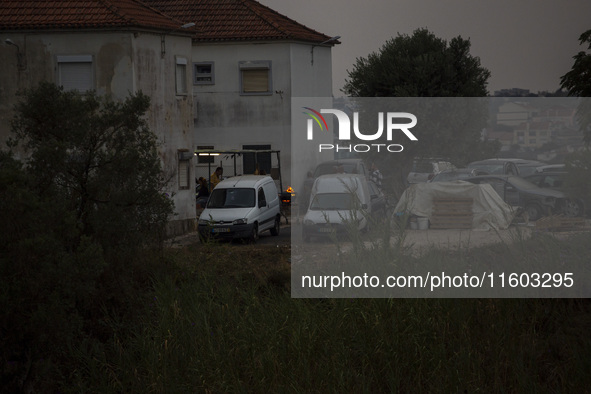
{"x": 337, "y": 200}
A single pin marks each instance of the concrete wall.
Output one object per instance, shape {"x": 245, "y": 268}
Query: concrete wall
{"x": 228, "y": 120}
{"x": 123, "y": 62}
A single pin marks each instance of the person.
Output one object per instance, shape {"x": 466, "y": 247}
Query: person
{"x": 375, "y": 175}
{"x": 202, "y": 192}
{"x": 216, "y": 177}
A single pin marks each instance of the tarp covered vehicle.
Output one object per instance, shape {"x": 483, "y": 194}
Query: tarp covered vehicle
{"x": 488, "y": 209}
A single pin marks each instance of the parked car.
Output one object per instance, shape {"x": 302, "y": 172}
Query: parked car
{"x": 528, "y": 167}
{"x": 337, "y": 200}
{"x": 241, "y": 207}
{"x": 551, "y": 168}
{"x": 518, "y": 192}
{"x": 519, "y": 167}
{"x": 423, "y": 170}
{"x": 457, "y": 174}
{"x": 556, "y": 181}
{"x": 348, "y": 166}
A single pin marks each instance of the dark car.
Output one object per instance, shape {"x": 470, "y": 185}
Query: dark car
{"x": 423, "y": 170}
{"x": 556, "y": 181}
{"x": 519, "y": 167}
{"x": 457, "y": 174}
{"x": 516, "y": 191}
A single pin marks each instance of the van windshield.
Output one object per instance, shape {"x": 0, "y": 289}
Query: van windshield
{"x": 333, "y": 168}
{"x": 231, "y": 198}
{"x": 332, "y": 202}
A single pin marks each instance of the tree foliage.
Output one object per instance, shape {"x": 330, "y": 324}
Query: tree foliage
{"x": 423, "y": 65}
{"x": 75, "y": 213}
{"x": 578, "y": 83}
{"x": 99, "y": 157}
{"x": 420, "y": 65}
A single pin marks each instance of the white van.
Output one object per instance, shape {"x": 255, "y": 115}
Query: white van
{"x": 241, "y": 207}
{"x": 334, "y": 200}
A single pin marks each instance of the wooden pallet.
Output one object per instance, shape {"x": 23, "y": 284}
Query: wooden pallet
{"x": 452, "y": 213}
{"x": 560, "y": 223}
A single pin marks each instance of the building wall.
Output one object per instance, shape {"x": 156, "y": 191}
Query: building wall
{"x": 170, "y": 115}
{"x": 227, "y": 120}
{"x": 123, "y": 62}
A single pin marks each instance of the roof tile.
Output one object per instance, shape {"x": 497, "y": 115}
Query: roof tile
{"x": 216, "y": 20}
{"x": 80, "y": 14}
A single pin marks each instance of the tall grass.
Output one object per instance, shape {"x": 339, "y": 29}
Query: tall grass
{"x": 221, "y": 320}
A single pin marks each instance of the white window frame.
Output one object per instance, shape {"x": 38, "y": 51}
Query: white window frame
{"x": 83, "y": 65}
{"x": 203, "y": 75}
{"x": 180, "y": 76}
{"x": 247, "y": 67}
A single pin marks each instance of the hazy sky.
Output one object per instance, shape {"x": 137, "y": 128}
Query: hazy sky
{"x": 526, "y": 44}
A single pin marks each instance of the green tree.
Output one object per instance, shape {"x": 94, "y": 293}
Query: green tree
{"x": 75, "y": 214}
{"x": 420, "y": 65}
{"x": 99, "y": 157}
{"x": 578, "y": 83}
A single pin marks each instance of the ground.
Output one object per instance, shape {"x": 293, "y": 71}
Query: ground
{"x": 418, "y": 240}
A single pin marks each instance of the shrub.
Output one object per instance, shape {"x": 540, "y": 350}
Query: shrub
{"x": 86, "y": 200}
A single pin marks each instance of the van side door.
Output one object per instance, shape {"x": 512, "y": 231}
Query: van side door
{"x": 265, "y": 216}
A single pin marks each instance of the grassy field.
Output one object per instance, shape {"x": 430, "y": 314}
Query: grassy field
{"x": 219, "y": 318}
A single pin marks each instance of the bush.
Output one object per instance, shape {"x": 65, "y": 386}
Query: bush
{"x": 76, "y": 213}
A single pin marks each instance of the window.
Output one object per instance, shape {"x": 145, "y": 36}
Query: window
{"x": 252, "y": 161}
{"x": 75, "y": 72}
{"x": 184, "y": 168}
{"x": 262, "y": 199}
{"x": 203, "y": 73}
{"x": 202, "y": 158}
{"x": 181, "y": 75}
{"x": 255, "y": 78}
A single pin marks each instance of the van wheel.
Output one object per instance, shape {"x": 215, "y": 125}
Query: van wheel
{"x": 276, "y": 228}
{"x": 254, "y": 236}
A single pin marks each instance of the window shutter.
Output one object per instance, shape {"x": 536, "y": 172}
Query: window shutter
{"x": 255, "y": 81}
{"x": 76, "y": 76}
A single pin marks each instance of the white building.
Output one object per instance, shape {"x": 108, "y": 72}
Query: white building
{"x": 115, "y": 48}
{"x": 221, "y": 75}
{"x": 248, "y": 63}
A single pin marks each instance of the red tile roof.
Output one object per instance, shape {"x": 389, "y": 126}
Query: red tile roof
{"x": 232, "y": 20}
{"x": 81, "y": 14}
{"x": 216, "y": 20}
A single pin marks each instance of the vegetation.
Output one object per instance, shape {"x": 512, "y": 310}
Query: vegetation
{"x": 220, "y": 319}
{"x": 77, "y": 216}
{"x": 578, "y": 83}
{"x": 423, "y": 65}
{"x": 420, "y": 65}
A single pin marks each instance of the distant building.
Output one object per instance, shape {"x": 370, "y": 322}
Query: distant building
{"x": 515, "y": 113}
{"x": 514, "y": 92}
